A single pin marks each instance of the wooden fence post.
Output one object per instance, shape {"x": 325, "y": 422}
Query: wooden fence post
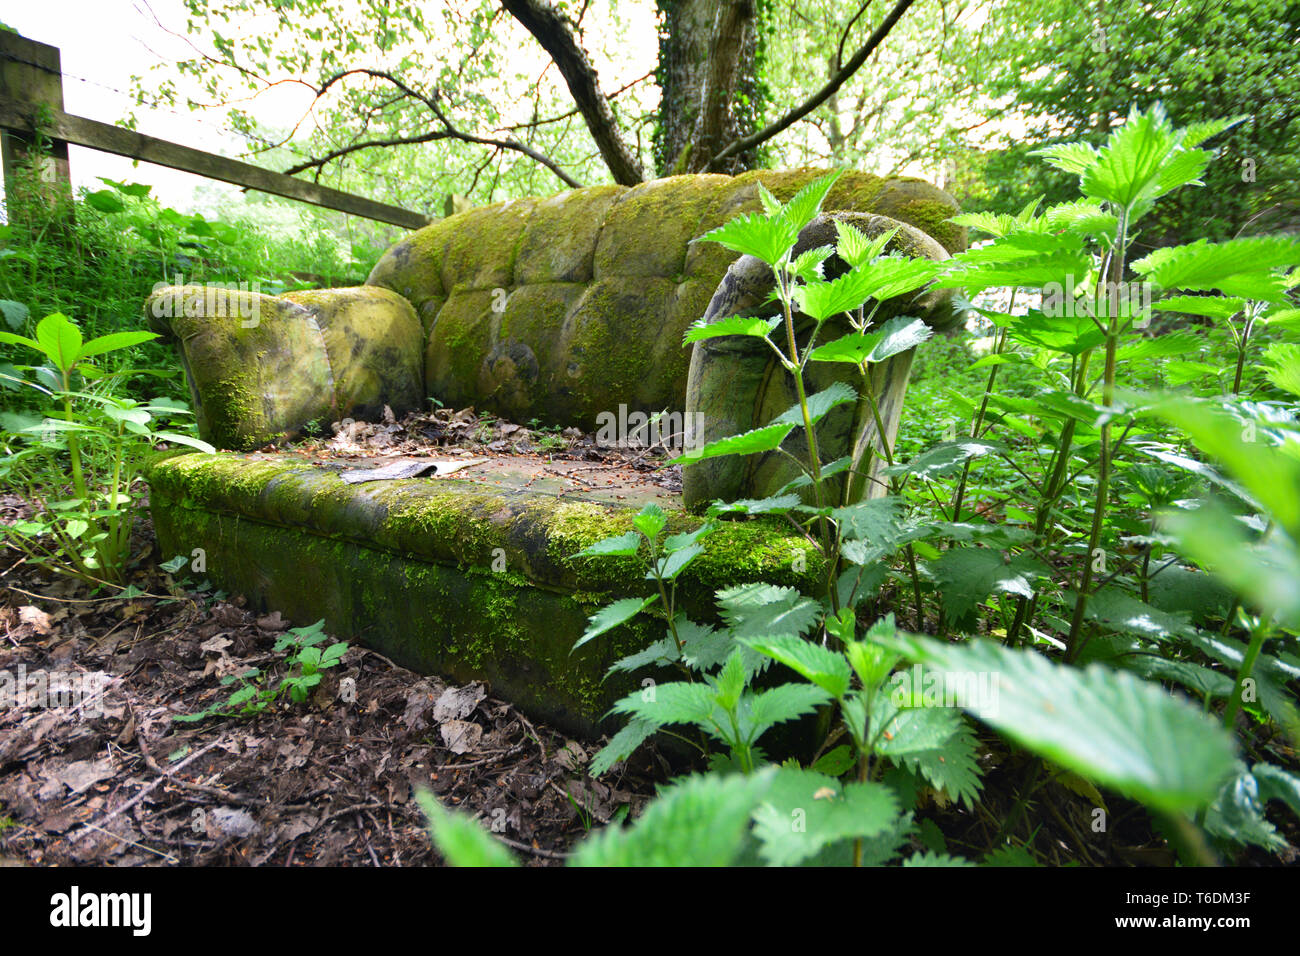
{"x": 30, "y": 74}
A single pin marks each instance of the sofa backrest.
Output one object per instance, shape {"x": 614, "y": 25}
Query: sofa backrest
{"x": 561, "y": 309}
{"x": 564, "y": 308}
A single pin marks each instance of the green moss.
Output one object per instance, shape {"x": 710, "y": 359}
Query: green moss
{"x": 234, "y": 414}
{"x": 602, "y": 370}
{"x": 930, "y": 216}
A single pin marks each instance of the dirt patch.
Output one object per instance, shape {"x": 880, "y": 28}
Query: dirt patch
{"x": 94, "y": 770}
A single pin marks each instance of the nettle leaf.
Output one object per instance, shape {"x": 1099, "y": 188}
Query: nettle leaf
{"x": 15, "y": 313}
{"x": 804, "y": 812}
{"x": 825, "y": 668}
{"x": 777, "y": 504}
{"x": 1141, "y": 161}
{"x": 703, "y": 821}
{"x": 944, "y": 458}
{"x": 1211, "y": 306}
{"x": 650, "y": 520}
{"x": 876, "y": 520}
{"x": 1236, "y": 267}
{"x": 1175, "y": 343}
{"x": 1108, "y": 726}
{"x": 1033, "y": 273}
{"x": 661, "y": 653}
{"x": 897, "y": 335}
{"x": 702, "y": 329}
{"x": 622, "y": 545}
{"x": 749, "y": 443}
{"x": 853, "y": 348}
{"x": 995, "y": 224}
{"x": 819, "y": 404}
{"x": 622, "y": 745}
{"x": 672, "y": 703}
{"x": 1119, "y": 611}
{"x": 807, "y": 202}
{"x": 1075, "y": 158}
{"x": 612, "y": 615}
{"x": 767, "y": 237}
{"x": 760, "y": 712}
{"x": 1282, "y": 366}
{"x": 1271, "y": 475}
{"x": 1277, "y": 784}
{"x": 460, "y": 840}
{"x": 1082, "y": 218}
{"x": 855, "y": 247}
{"x": 1264, "y": 573}
{"x": 685, "y": 539}
{"x": 966, "y": 576}
{"x": 1237, "y": 813}
{"x": 765, "y": 610}
{"x": 808, "y": 265}
{"x": 936, "y": 743}
{"x": 1070, "y": 334}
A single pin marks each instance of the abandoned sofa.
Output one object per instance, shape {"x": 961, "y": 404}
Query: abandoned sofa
{"x": 556, "y": 309}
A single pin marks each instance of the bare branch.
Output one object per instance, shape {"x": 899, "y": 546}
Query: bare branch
{"x": 448, "y": 131}
{"x": 818, "y": 98}
{"x": 552, "y": 31}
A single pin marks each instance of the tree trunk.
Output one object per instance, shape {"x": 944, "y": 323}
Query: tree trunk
{"x": 709, "y": 52}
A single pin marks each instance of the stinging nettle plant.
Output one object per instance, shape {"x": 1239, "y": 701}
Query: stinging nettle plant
{"x": 1082, "y": 664}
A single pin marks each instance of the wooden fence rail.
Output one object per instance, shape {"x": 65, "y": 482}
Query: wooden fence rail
{"x": 31, "y": 97}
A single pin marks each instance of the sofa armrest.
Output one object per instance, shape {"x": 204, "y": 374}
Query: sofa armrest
{"x": 262, "y": 367}
{"x": 735, "y": 383}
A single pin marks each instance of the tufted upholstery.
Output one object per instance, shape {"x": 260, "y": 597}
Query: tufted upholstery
{"x": 556, "y": 309}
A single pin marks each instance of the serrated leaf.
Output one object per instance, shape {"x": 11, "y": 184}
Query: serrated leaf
{"x": 765, "y": 610}
{"x": 749, "y": 443}
{"x": 767, "y": 237}
{"x": 621, "y": 746}
{"x": 622, "y": 545}
{"x": 1236, "y": 267}
{"x": 804, "y": 812}
{"x": 966, "y": 576}
{"x": 702, "y": 329}
{"x": 701, "y": 822}
{"x": 612, "y": 615}
{"x": 1109, "y": 726}
{"x": 819, "y": 404}
{"x": 935, "y": 743}
{"x": 824, "y": 667}
{"x": 944, "y": 458}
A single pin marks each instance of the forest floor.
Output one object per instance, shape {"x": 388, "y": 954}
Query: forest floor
{"x": 112, "y": 778}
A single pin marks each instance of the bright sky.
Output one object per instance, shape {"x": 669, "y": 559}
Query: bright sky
{"x": 104, "y": 42}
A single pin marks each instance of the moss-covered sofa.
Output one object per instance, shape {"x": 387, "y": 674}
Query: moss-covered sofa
{"x": 557, "y": 309}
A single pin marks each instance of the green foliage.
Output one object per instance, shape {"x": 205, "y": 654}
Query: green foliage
{"x": 304, "y": 662}
{"x": 79, "y": 463}
{"x": 1074, "y": 524}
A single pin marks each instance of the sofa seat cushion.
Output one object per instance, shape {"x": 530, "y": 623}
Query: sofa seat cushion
{"x": 471, "y": 575}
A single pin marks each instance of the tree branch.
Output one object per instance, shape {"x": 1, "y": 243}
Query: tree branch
{"x": 551, "y": 30}
{"x": 818, "y": 98}
{"x": 448, "y": 131}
